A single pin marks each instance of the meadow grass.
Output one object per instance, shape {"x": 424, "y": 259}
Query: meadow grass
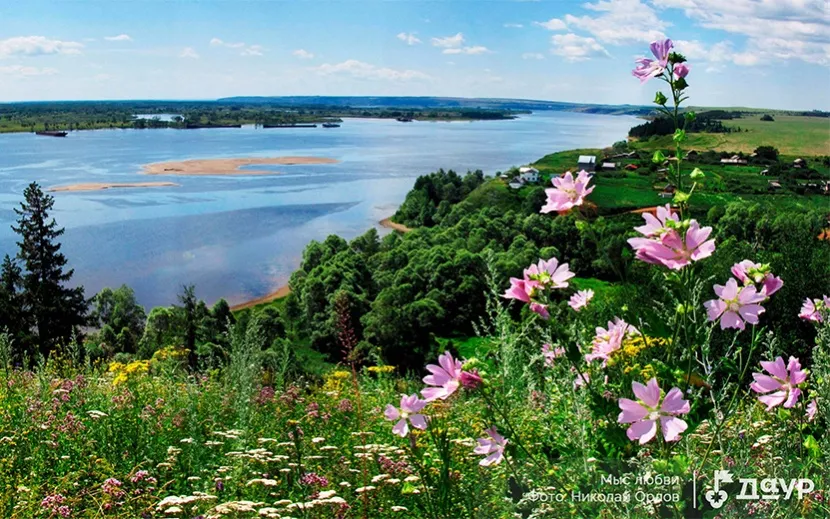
{"x": 793, "y": 135}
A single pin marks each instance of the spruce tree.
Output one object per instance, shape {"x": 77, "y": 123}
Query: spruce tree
{"x": 12, "y": 318}
{"x": 54, "y": 310}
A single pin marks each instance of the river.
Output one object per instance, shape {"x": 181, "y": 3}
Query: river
{"x": 240, "y": 237}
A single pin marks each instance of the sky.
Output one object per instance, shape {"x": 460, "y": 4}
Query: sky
{"x": 755, "y": 53}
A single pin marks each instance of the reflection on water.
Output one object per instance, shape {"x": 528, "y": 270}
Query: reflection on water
{"x": 240, "y": 237}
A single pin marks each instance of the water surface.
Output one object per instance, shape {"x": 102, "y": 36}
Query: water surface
{"x": 241, "y": 237}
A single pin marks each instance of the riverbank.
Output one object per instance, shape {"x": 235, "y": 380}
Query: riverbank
{"x": 227, "y": 167}
{"x": 101, "y": 186}
{"x": 284, "y": 290}
{"x": 389, "y": 224}
{"x": 279, "y": 293}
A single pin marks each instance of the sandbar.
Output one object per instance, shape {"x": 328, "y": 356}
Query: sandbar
{"x": 100, "y": 186}
{"x": 279, "y": 293}
{"x": 228, "y": 166}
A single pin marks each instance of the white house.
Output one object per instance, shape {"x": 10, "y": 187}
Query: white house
{"x": 587, "y": 162}
{"x": 528, "y": 174}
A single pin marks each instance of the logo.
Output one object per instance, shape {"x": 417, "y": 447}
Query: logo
{"x": 771, "y": 489}
{"x": 718, "y": 497}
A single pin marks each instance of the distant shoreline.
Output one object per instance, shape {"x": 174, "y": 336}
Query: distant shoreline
{"x": 228, "y": 167}
{"x": 101, "y": 186}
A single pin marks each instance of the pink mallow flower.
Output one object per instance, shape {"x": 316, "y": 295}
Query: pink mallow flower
{"x": 546, "y": 274}
{"x": 812, "y": 409}
{"x": 492, "y": 447}
{"x": 446, "y": 377}
{"x": 657, "y": 226}
{"x": 649, "y": 68}
{"x": 644, "y": 413}
{"x": 676, "y": 248}
{"x": 410, "y": 410}
{"x": 580, "y": 300}
{"x": 550, "y": 353}
{"x": 751, "y": 273}
{"x": 681, "y": 70}
{"x": 549, "y": 274}
{"x": 567, "y": 192}
{"x": 812, "y": 308}
{"x": 735, "y": 306}
{"x": 520, "y": 289}
{"x": 607, "y": 341}
{"x": 780, "y": 386}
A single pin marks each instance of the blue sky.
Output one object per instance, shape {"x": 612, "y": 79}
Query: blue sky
{"x": 760, "y": 53}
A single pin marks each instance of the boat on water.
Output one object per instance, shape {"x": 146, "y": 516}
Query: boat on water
{"x": 331, "y": 125}
{"x": 404, "y": 119}
{"x": 52, "y": 133}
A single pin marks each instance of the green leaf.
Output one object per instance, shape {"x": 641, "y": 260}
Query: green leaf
{"x": 660, "y": 99}
{"x": 690, "y": 116}
{"x": 697, "y": 174}
{"x": 680, "y": 84}
{"x": 679, "y": 135}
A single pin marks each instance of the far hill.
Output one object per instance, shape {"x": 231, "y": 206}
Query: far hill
{"x": 434, "y": 102}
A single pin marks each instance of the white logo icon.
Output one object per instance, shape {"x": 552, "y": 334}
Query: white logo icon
{"x": 717, "y": 497}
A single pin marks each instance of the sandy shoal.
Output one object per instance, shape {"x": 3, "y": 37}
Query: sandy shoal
{"x": 228, "y": 166}
{"x": 100, "y": 186}
{"x": 273, "y": 296}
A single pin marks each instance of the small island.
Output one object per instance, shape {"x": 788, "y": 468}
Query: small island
{"x": 101, "y": 186}
{"x": 225, "y": 167}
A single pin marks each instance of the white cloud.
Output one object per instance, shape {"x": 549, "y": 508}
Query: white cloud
{"x": 775, "y": 29}
{"x": 722, "y": 52}
{"x": 409, "y": 38}
{"x": 455, "y": 45}
{"x": 216, "y": 42}
{"x": 620, "y": 22}
{"x": 362, "y": 70}
{"x": 573, "y": 47}
{"x": 513, "y": 25}
{"x": 478, "y": 49}
{"x": 36, "y": 46}
{"x": 20, "y": 71}
{"x": 303, "y": 54}
{"x": 253, "y": 50}
{"x": 188, "y": 52}
{"x": 120, "y": 37}
{"x": 533, "y": 55}
{"x": 554, "y": 24}
{"x": 449, "y": 42}
{"x": 250, "y": 50}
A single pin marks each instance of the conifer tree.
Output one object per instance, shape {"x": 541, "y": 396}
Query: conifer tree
{"x": 53, "y": 309}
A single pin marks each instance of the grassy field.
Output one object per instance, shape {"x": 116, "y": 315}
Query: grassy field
{"x": 791, "y": 134}
{"x": 621, "y": 190}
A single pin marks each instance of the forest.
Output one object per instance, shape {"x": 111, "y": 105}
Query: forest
{"x": 90, "y": 115}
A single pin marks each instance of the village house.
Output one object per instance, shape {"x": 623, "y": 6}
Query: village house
{"x": 799, "y": 163}
{"x": 587, "y": 162}
{"x": 668, "y": 191}
{"x": 631, "y": 167}
{"x": 774, "y": 185}
{"x": 734, "y": 159}
{"x": 609, "y": 166}
{"x": 528, "y": 174}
